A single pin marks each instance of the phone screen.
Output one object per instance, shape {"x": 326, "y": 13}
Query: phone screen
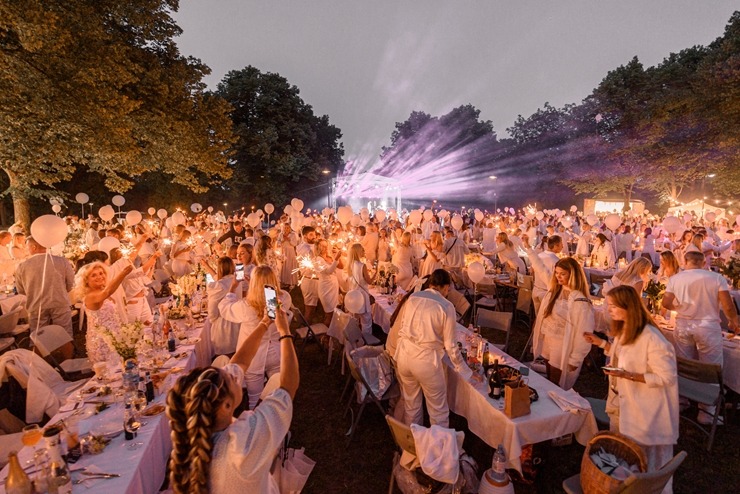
{"x": 271, "y": 301}
{"x": 209, "y": 278}
{"x": 239, "y": 272}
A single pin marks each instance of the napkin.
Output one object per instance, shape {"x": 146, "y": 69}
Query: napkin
{"x": 569, "y": 401}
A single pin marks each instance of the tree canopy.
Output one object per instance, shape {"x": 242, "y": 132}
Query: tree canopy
{"x": 101, "y": 84}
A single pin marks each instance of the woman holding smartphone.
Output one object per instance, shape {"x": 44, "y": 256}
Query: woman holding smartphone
{"x": 224, "y": 333}
{"x": 248, "y": 312}
{"x": 643, "y": 391}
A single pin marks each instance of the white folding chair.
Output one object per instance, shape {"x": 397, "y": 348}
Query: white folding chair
{"x": 462, "y": 306}
{"x": 49, "y": 339}
{"x": 497, "y": 320}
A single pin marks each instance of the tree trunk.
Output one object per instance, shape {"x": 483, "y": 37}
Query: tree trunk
{"x": 21, "y": 206}
{"x": 627, "y": 199}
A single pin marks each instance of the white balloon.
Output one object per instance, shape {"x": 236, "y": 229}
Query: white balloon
{"x": 356, "y": 220}
{"x": 297, "y": 204}
{"x": 710, "y": 216}
{"x": 56, "y": 208}
{"x": 107, "y": 244}
{"x": 539, "y": 215}
{"x": 49, "y": 230}
{"x": 253, "y": 220}
{"x": 288, "y": 209}
{"x": 106, "y": 213}
{"x": 592, "y": 219}
{"x": 162, "y": 214}
{"x": 196, "y": 208}
{"x": 169, "y": 223}
{"x": 133, "y": 218}
{"x": 364, "y": 214}
{"x": 428, "y": 214}
{"x": 456, "y": 222}
{"x": 210, "y": 209}
{"x": 151, "y": 211}
{"x": 82, "y": 198}
{"x": 269, "y": 208}
{"x": 380, "y": 215}
{"x": 178, "y": 218}
{"x": 672, "y": 224}
{"x": 612, "y": 221}
{"x": 567, "y": 222}
{"x": 118, "y": 200}
{"x": 479, "y": 216}
{"x": 573, "y": 208}
{"x": 415, "y": 217}
{"x": 344, "y": 214}
{"x": 260, "y": 213}
{"x": 443, "y": 214}
{"x": 476, "y": 272}
{"x": 394, "y": 214}
{"x": 54, "y": 201}
{"x": 354, "y": 301}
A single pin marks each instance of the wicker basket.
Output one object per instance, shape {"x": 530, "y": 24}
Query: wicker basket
{"x": 593, "y": 480}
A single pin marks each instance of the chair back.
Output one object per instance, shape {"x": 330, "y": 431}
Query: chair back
{"x": 524, "y": 300}
{"x": 401, "y": 435}
{"x": 357, "y": 375}
{"x": 524, "y": 281}
{"x": 459, "y": 301}
{"x": 653, "y": 482}
{"x": 494, "y": 319}
{"x": 353, "y": 335}
{"x": 9, "y": 321}
{"x": 702, "y": 372}
{"x": 47, "y": 339}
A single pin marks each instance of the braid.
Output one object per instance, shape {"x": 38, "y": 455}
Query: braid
{"x": 176, "y": 400}
{"x": 203, "y": 399}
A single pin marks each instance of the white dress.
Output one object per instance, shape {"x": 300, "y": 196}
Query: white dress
{"x": 429, "y": 265}
{"x": 224, "y": 334}
{"x": 181, "y": 263}
{"x": 402, "y": 260}
{"x": 357, "y": 281}
{"x": 105, "y": 317}
{"x": 328, "y": 283}
{"x": 287, "y": 277}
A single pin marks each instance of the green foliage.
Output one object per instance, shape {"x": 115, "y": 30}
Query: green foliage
{"x": 101, "y": 83}
{"x": 281, "y": 146}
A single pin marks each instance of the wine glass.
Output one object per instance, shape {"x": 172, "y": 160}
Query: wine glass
{"x": 31, "y": 436}
{"x": 138, "y": 403}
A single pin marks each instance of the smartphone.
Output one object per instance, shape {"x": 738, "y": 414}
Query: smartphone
{"x": 209, "y": 278}
{"x": 239, "y": 272}
{"x": 612, "y": 369}
{"x": 271, "y": 301}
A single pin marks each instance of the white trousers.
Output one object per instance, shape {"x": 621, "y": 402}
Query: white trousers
{"x": 699, "y": 341}
{"x": 418, "y": 375}
{"x": 137, "y": 309}
{"x": 265, "y": 363}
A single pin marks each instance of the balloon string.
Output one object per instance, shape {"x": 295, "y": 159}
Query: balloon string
{"x": 35, "y": 334}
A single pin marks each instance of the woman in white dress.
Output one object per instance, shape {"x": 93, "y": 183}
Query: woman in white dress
{"x": 326, "y": 267}
{"x": 92, "y": 285}
{"x": 403, "y": 259}
{"x": 565, "y": 315}
{"x": 435, "y": 254}
{"x": 181, "y": 255}
{"x": 288, "y": 241}
{"x": 643, "y": 392}
{"x": 359, "y": 279}
{"x": 636, "y": 274}
{"x": 507, "y": 254}
{"x": 224, "y": 333}
{"x": 489, "y": 238}
{"x": 249, "y": 312}
{"x": 212, "y": 451}
{"x": 648, "y": 245}
{"x": 384, "y": 246}
{"x": 603, "y": 253}
{"x": 264, "y": 255}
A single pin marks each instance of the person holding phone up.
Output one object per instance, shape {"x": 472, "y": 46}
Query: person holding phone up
{"x": 248, "y": 312}
{"x": 643, "y": 391}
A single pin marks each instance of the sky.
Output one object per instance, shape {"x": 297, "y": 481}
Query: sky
{"x": 369, "y": 63}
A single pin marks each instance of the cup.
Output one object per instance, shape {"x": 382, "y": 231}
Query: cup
{"x": 101, "y": 370}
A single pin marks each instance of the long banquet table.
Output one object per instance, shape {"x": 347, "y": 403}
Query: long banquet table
{"x": 141, "y": 470}
{"x": 485, "y": 416}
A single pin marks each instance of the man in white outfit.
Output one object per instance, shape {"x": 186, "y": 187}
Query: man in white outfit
{"x": 455, "y": 251}
{"x": 583, "y": 248}
{"x": 309, "y": 279}
{"x": 696, "y": 295}
{"x": 427, "y": 332}
{"x": 369, "y": 242}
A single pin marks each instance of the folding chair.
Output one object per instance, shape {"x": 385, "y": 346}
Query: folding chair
{"x": 524, "y": 304}
{"x": 353, "y": 340}
{"x": 392, "y": 392}
{"x": 308, "y": 332}
{"x": 339, "y": 321}
{"x": 54, "y": 344}
{"x": 702, "y": 382}
{"x": 637, "y": 483}
{"x": 485, "y": 295}
{"x": 500, "y": 321}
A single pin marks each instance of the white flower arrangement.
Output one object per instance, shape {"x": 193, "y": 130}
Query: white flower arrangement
{"x": 126, "y": 340}
{"x": 474, "y": 257}
{"x": 185, "y": 287}
{"x": 385, "y": 271}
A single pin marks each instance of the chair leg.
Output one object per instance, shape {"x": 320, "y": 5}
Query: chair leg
{"x": 346, "y": 386}
{"x": 526, "y": 346}
{"x": 356, "y": 422}
{"x": 396, "y": 457}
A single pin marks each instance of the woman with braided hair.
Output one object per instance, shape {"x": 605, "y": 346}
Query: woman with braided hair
{"x": 212, "y": 451}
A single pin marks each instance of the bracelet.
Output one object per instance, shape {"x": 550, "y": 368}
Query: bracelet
{"x": 287, "y": 336}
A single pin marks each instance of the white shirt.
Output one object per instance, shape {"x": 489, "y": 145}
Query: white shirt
{"x": 455, "y": 250}
{"x": 697, "y": 294}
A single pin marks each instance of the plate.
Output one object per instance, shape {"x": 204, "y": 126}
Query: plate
{"x": 153, "y": 410}
{"x": 190, "y": 341}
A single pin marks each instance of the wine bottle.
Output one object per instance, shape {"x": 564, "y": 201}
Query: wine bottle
{"x": 60, "y": 478}
{"x": 17, "y": 481}
{"x": 494, "y": 382}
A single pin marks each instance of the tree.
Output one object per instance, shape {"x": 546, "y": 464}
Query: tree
{"x": 281, "y": 146}
{"x": 101, "y": 84}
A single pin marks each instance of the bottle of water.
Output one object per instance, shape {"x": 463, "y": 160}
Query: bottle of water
{"x": 131, "y": 377}
{"x": 499, "y": 464}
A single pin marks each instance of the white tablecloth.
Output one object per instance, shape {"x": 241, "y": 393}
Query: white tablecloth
{"x": 383, "y": 309}
{"x": 486, "y": 418}
{"x": 141, "y": 470}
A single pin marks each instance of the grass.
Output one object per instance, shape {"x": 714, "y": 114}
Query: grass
{"x": 364, "y": 466}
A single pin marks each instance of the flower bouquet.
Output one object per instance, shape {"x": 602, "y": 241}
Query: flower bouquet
{"x": 474, "y": 257}
{"x": 184, "y": 289}
{"x": 74, "y": 245}
{"x": 126, "y": 340}
{"x": 177, "y": 312}
{"x": 386, "y": 270}
{"x": 654, "y": 292}
{"x": 731, "y": 271}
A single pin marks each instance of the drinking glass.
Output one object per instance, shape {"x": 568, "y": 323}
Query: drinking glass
{"x": 31, "y": 436}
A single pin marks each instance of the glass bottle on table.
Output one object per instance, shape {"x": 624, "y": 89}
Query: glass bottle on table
{"x": 17, "y": 481}
{"x": 60, "y": 479}
{"x": 498, "y": 465}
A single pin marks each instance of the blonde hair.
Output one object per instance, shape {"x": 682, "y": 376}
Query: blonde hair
{"x": 81, "y": 288}
{"x": 435, "y": 240}
{"x": 576, "y": 281}
{"x": 261, "y": 249}
{"x": 405, "y": 239}
{"x": 355, "y": 253}
{"x": 191, "y": 409}
{"x": 503, "y": 238}
{"x": 635, "y": 269}
{"x": 261, "y": 276}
